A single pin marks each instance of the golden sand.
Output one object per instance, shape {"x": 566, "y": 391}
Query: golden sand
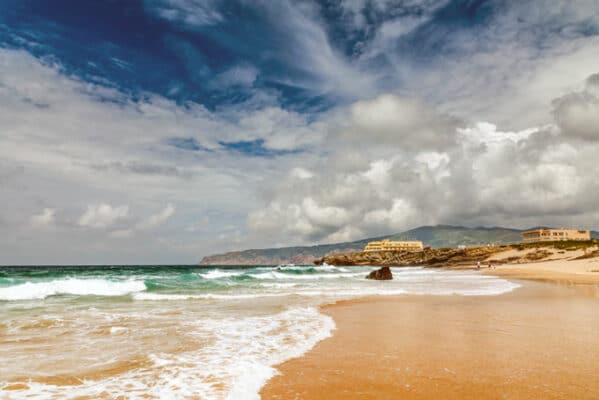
{"x": 565, "y": 270}
{"x": 539, "y": 342}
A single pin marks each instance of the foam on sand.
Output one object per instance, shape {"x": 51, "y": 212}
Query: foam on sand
{"x": 237, "y": 363}
{"x": 206, "y": 296}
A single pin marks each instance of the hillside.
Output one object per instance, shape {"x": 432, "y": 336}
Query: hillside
{"x": 434, "y": 236}
{"x": 453, "y": 236}
{"x": 282, "y": 255}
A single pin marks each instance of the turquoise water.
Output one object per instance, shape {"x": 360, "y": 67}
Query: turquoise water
{"x": 170, "y": 282}
{"x": 160, "y": 279}
{"x": 180, "y": 331}
{"x": 180, "y": 282}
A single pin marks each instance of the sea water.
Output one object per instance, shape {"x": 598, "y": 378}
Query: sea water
{"x": 177, "y": 332}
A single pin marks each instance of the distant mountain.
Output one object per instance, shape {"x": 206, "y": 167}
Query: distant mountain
{"x": 434, "y": 236}
{"x": 453, "y": 236}
{"x": 283, "y": 255}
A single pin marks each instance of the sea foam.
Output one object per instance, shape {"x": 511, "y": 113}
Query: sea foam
{"x": 70, "y": 286}
{"x": 237, "y": 363}
{"x": 219, "y": 274}
{"x": 277, "y": 275}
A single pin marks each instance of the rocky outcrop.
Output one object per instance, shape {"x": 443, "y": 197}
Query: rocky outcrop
{"x": 433, "y": 257}
{"x": 452, "y": 257}
{"x": 383, "y": 274}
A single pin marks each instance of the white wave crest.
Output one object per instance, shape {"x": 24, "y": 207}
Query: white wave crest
{"x": 272, "y": 275}
{"x": 292, "y": 267}
{"x": 218, "y": 274}
{"x": 72, "y": 286}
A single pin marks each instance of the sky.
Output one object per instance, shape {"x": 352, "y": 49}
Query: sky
{"x": 161, "y": 131}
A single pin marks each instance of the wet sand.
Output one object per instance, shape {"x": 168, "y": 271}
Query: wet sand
{"x": 540, "y": 341}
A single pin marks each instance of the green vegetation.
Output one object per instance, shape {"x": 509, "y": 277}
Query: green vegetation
{"x": 454, "y": 236}
{"x": 566, "y": 245}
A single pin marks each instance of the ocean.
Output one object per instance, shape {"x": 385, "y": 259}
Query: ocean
{"x": 180, "y": 332}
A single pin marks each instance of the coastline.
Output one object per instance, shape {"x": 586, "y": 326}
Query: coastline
{"x": 538, "y": 341}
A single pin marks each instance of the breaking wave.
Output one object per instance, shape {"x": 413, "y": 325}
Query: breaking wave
{"x": 70, "y": 286}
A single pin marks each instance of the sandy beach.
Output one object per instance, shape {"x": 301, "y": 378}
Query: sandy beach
{"x": 539, "y": 341}
{"x": 558, "y": 268}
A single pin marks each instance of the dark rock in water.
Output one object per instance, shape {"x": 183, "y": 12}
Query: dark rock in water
{"x": 382, "y": 274}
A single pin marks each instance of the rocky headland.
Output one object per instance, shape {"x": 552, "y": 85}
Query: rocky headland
{"x": 456, "y": 257}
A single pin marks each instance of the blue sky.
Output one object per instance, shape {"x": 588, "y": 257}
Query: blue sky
{"x": 212, "y": 52}
{"x": 164, "y": 130}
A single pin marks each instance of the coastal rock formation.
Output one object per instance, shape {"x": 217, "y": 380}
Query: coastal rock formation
{"x": 382, "y": 274}
{"x": 432, "y": 257}
{"x": 521, "y": 253}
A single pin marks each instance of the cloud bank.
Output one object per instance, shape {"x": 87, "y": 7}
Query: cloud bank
{"x": 253, "y": 124}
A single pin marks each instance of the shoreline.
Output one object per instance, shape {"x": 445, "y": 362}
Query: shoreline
{"x": 538, "y": 341}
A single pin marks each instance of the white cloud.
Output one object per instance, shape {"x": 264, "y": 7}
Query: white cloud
{"x": 323, "y": 215}
{"x": 375, "y": 183}
{"x": 401, "y": 213}
{"x": 504, "y": 71}
{"x": 158, "y": 219}
{"x": 485, "y": 133}
{"x": 301, "y": 173}
{"x": 394, "y": 120}
{"x": 378, "y": 174}
{"x": 577, "y": 115}
{"x": 103, "y": 215}
{"x": 45, "y": 218}
{"x": 307, "y": 49}
{"x": 192, "y": 14}
{"x": 242, "y": 75}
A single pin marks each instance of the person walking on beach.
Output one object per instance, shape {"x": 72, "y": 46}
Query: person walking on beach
{"x": 478, "y": 265}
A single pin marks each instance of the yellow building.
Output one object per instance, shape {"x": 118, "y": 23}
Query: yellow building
{"x": 392, "y": 245}
{"x": 552, "y": 235}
